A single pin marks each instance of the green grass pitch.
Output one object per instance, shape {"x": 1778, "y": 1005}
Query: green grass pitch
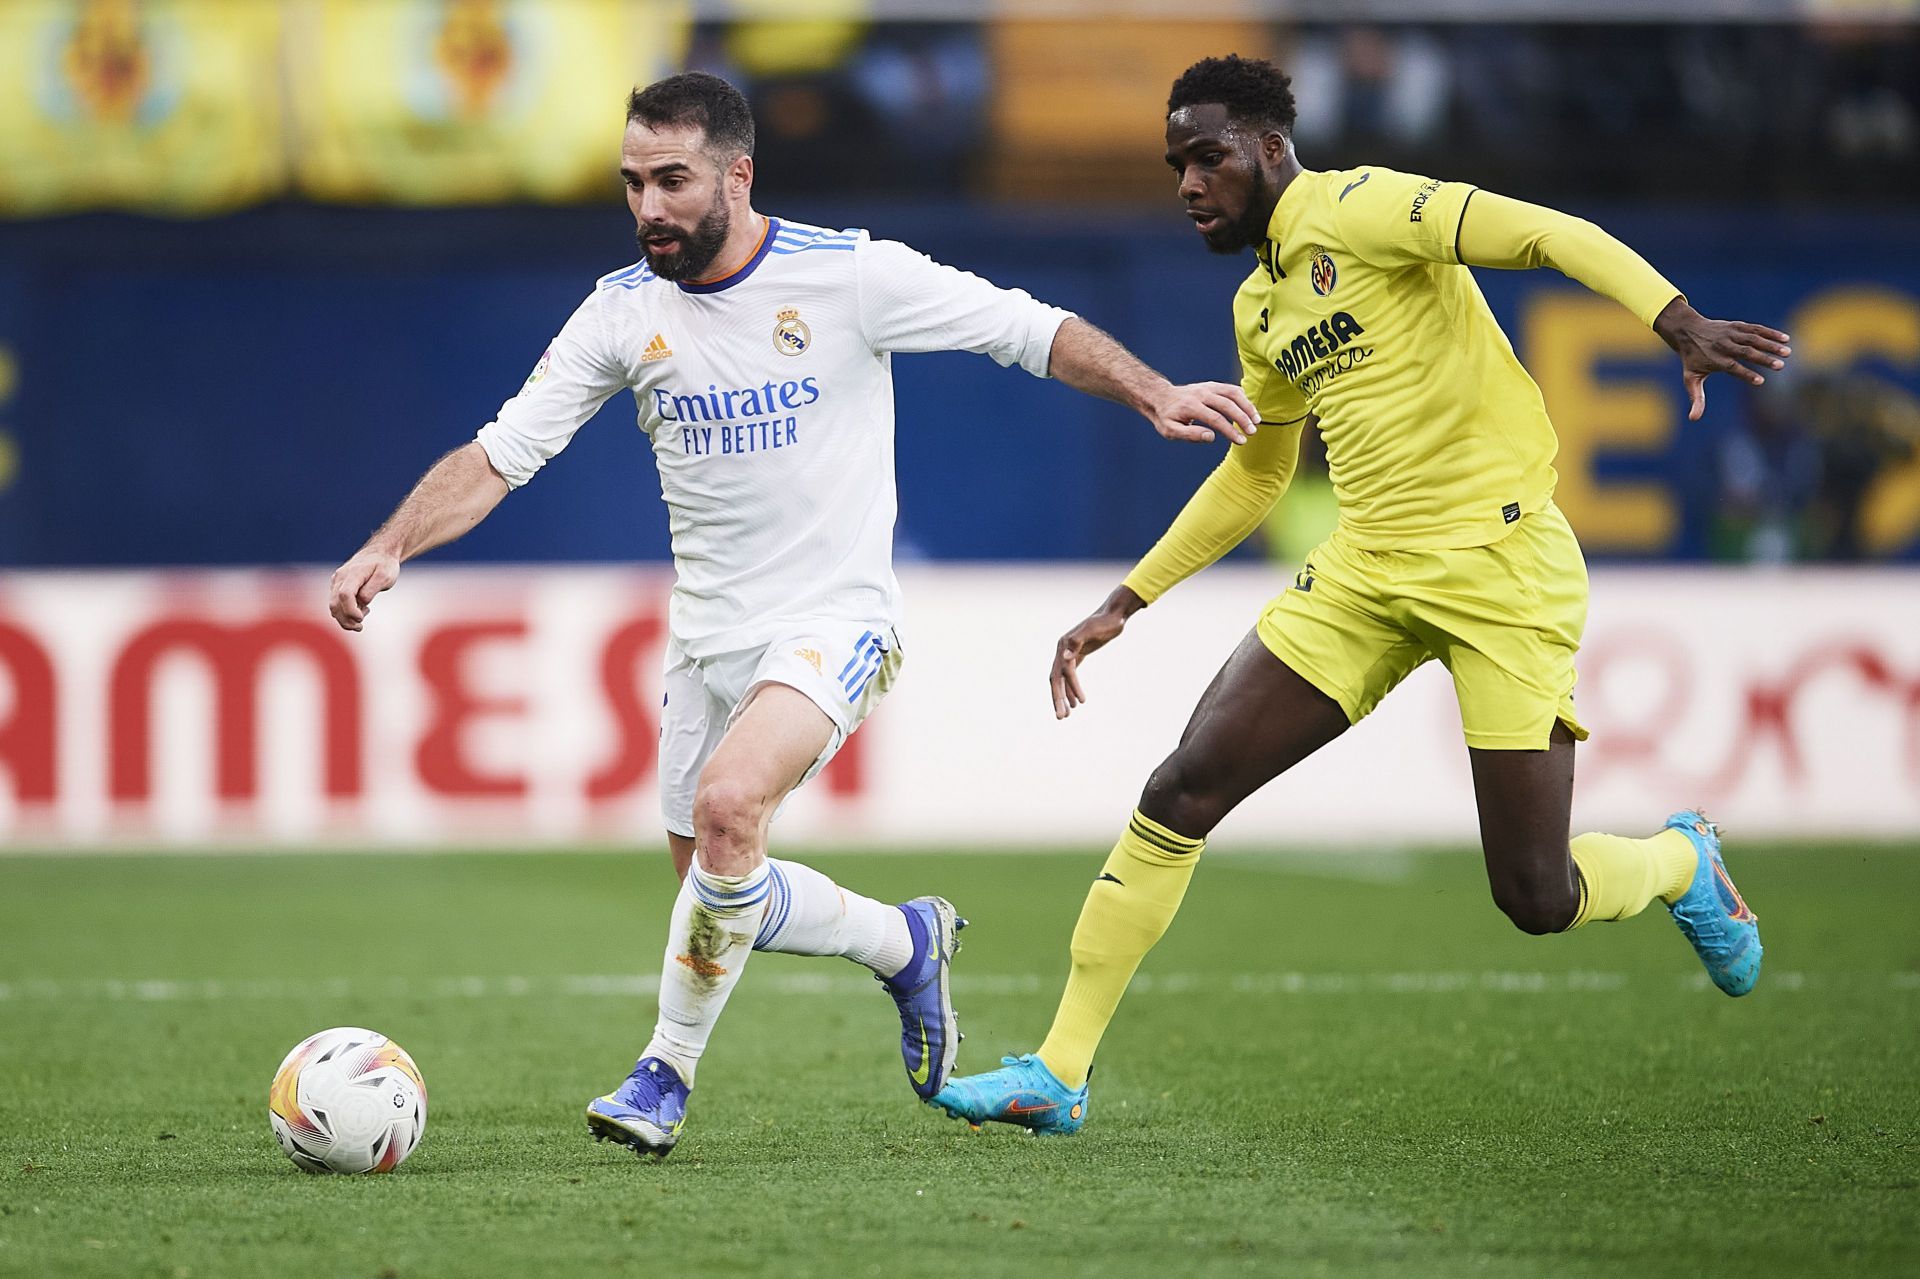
{"x": 1339, "y": 1064}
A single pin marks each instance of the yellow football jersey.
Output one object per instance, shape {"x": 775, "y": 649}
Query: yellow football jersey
{"x": 1361, "y": 315}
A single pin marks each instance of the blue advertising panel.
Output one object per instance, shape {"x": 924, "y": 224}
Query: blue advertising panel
{"x": 263, "y": 388}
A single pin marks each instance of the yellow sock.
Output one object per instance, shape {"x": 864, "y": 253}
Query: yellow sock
{"x": 1619, "y": 876}
{"x": 1127, "y": 910}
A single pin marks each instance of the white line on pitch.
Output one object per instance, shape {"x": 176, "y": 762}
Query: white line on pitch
{"x": 1259, "y": 985}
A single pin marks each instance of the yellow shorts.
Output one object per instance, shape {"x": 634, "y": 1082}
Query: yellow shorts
{"x": 1504, "y": 619}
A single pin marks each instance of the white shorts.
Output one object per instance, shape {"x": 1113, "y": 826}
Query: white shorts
{"x": 844, "y": 668}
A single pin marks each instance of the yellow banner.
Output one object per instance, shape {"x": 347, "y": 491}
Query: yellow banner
{"x": 469, "y": 101}
{"x": 170, "y": 105}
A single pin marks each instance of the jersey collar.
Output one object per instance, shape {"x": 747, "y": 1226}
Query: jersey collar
{"x": 1287, "y": 211}
{"x": 727, "y": 280}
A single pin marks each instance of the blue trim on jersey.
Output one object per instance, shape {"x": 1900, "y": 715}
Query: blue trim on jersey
{"x": 631, "y": 278}
{"x": 800, "y": 232}
{"x": 746, "y": 269}
{"x": 793, "y": 240}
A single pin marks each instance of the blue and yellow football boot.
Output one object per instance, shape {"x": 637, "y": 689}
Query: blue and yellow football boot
{"x": 1023, "y": 1091}
{"x": 645, "y": 1113}
{"x": 1712, "y": 914}
{"x": 929, "y": 1032}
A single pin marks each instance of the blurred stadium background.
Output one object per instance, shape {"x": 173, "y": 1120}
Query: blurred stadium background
{"x": 263, "y": 260}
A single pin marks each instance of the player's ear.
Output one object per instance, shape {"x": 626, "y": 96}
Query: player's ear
{"x": 740, "y": 175}
{"x": 1274, "y": 144}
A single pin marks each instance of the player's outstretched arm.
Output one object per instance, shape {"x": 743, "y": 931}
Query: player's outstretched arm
{"x": 1090, "y": 360}
{"x": 453, "y": 496}
{"x": 1717, "y": 346}
{"x": 909, "y": 302}
{"x": 1498, "y": 231}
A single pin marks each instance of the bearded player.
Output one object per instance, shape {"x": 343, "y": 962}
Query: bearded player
{"x": 759, "y": 355}
{"x": 1363, "y": 320}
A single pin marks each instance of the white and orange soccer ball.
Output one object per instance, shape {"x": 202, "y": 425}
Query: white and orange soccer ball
{"x": 348, "y": 1100}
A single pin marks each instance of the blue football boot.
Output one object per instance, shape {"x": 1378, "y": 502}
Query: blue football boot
{"x": 1023, "y": 1091}
{"x": 1712, "y": 913}
{"x": 644, "y": 1113}
{"x": 929, "y": 1033}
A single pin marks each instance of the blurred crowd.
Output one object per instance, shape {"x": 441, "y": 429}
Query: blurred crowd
{"x": 895, "y": 108}
{"x": 1818, "y": 111}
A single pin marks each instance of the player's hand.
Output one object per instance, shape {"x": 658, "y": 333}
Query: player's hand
{"x": 355, "y": 583}
{"x": 1718, "y": 346}
{"x": 1084, "y": 640}
{"x": 1197, "y": 410}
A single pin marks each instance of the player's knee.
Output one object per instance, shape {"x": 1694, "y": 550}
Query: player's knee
{"x": 1177, "y": 798}
{"x": 1537, "y": 904}
{"x": 725, "y": 813}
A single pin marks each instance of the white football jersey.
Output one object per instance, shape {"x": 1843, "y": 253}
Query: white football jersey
{"x": 768, "y": 396}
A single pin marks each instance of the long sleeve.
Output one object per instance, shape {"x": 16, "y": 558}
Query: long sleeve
{"x": 1497, "y": 231}
{"x": 1230, "y": 504}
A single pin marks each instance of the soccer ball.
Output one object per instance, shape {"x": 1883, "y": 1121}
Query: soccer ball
{"x": 348, "y": 1100}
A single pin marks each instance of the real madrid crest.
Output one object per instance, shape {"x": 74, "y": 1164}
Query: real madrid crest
{"x": 1322, "y": 273}
{"x": 791, "y": 336}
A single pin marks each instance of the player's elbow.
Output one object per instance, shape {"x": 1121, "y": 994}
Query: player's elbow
{"x": 1565, "y": 235}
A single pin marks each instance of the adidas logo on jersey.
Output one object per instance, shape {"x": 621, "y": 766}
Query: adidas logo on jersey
{"x": 656, "y": 349}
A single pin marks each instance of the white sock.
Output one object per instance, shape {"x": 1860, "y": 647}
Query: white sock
{"x": 809, "y": 914}
{"x": 714, "y": 920}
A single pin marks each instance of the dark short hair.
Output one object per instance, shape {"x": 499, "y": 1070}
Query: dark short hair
{"x": 704, "y": 101}
{"x": 1253, "y": 91}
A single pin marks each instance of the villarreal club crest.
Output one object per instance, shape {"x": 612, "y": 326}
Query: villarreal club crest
{"x": 1322, "y": 273}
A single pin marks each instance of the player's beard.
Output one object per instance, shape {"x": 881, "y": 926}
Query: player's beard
{"x": 697, "y": 250}
{"x": 1250, "y": 228}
